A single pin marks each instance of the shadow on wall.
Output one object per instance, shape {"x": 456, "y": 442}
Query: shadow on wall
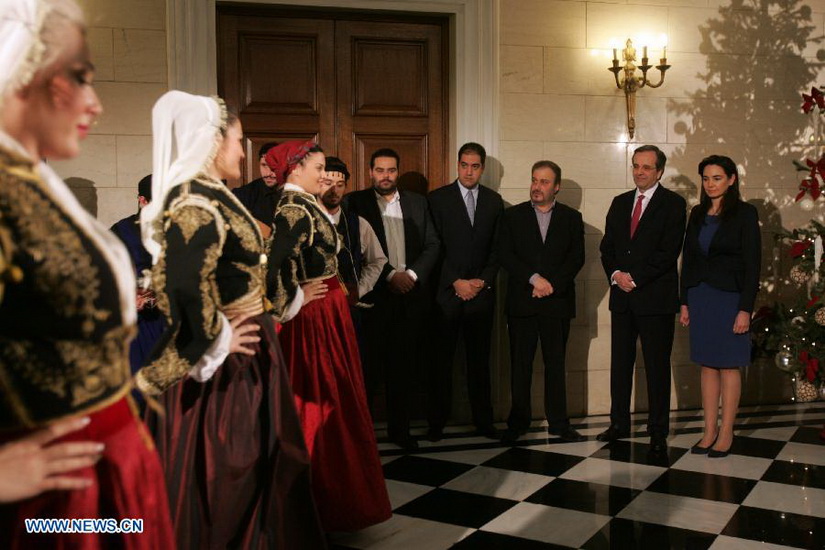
{"x": 85, "y": 192}
{"x": 759, "y": 56}
{"x": 584, "y": 328}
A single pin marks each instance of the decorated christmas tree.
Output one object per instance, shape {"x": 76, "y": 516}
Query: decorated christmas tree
{"x": 792, "y": 331}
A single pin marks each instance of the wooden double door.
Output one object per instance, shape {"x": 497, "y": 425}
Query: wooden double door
{"x": 353, "y": 81}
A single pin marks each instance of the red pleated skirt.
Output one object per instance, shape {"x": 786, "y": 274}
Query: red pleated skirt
{"x": 236, "y": 464}
{"x": 129, "y": 483}
{"x": 325, "y": 371}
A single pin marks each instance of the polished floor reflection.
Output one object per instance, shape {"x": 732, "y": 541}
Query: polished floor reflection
{"x": 468, "y": 492}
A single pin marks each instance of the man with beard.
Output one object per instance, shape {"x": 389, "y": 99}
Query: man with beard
{"x": 261, "y": 196}
{"x": 360, "y": 260}
{"x": 541, "y": 246}
{"x": 401, "y": 220}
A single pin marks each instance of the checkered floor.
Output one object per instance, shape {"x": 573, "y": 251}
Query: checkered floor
{"x": 474, "y": 493}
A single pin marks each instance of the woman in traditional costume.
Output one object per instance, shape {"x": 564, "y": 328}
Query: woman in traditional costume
{"x": 320, "y": 347}
{"x": 236, "y": 464}
{"x": 67, "y": 308}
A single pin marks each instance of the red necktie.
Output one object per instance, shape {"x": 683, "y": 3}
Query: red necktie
{"x": 637, "y": 213}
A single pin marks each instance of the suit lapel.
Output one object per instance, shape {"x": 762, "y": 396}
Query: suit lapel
{"x": 459, "y": 204}
{"x": 532, "y": 222}
{"x": 409, "y": 223}
{"x": 656, "y": 202}
{"x": 373, "y": 215}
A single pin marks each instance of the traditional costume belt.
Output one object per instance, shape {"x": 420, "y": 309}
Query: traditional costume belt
{"x": 332, "y": 282}
{"x": 250, "y": 304}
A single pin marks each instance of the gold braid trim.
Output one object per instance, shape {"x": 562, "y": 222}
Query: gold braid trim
{"x": 168, "y": 369}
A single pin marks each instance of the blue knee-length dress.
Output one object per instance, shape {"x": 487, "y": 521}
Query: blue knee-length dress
{"x": 712, "y": 314}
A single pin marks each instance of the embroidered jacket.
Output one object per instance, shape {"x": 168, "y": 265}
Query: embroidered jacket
{"x": 303, "y": 248}
{"x": 211, "y": 268}
{"x": 65, "y": 313}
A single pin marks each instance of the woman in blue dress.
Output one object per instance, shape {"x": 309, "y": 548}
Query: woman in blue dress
{"x": 721, "y": 261}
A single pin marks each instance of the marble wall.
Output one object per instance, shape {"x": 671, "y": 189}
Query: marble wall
{"x": 737, "y": 71}
{"x": 128, "y": 46}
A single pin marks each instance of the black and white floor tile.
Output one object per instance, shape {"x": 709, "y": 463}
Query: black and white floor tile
{"x": 473, "y": 493}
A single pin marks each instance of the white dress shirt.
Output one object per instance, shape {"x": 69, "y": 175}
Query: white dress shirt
{"x": 393, "y": 219}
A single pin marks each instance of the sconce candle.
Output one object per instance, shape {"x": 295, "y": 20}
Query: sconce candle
{"x": 631, "y": 83}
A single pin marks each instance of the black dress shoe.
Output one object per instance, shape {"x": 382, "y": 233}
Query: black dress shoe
{"x": 658, "y": 444}
{"x": 697, "y": 450}
{"x": 435, "y": 434}
{"x": 488, "y": 431}
{"x": 612, "y": 433}
{"x": 406, "y": 442}
{"x": 713, "y": 453}
{"x": 568, "y": 434}
{"x": 510, "y": 436}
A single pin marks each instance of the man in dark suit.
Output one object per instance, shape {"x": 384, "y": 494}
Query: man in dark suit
{"x": 402, "y": 222}
{"x": 261, "y": 196}
{"x": 642, "y": 240}
{"x": 466, "y": 216}
{"x": 541, "y": 246}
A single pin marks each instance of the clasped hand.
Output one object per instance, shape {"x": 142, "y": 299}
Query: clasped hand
{"x": 467, "y": 289}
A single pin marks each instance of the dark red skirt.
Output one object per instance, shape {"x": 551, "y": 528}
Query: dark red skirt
{"x": 325, "y": 371}
{"x": 129, "y": 483}
{"x": 236, "y": 464}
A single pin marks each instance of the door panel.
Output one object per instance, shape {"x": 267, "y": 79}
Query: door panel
{"x": 353, "y": 81}
{"x": 277, "y": 82}
{"x": 390, "y": 78}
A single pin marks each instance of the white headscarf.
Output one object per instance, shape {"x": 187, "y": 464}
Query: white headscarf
{"x": 21, "y": 49}
{"x": 186, "y": 134}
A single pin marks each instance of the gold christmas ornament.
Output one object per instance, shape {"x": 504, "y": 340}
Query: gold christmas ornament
{"x": 799, "y": 275}
{"x": 805, "y": 391}
{"x": 819, "y": 316}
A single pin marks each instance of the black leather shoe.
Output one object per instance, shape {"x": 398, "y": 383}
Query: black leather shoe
{"x": 435, "y": 434}
{"x": 612, "y": 433}
{"x": 510, "y": 436}
{"x": 713, "y": 453}
{"x": 488, "y": 431}
{"x": 658, "y": 444}
{"x": 406, "y": 442}
{"x": 568, "y": 434}
{"x": 697, "y": 450}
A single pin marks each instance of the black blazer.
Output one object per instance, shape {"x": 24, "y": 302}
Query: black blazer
{"x": 558, "y": 259}
{"x": 650, "y": 256}
{"x": 421, "y": 244}
{"x": 734, "y": 259}
{"x": 468, "y": 250}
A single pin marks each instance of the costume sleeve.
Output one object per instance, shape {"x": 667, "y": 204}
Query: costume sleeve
{"x": 374, "y": 258}
{"x": 196, "y": 341}
{"x": 293, "y": 229}
{"x": 5, "y": 257}
{"x": 752, "y": 257}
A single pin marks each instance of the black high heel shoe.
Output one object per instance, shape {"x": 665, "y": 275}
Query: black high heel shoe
{"x": 713, "y": 453}
{"x": 697, "y": 450}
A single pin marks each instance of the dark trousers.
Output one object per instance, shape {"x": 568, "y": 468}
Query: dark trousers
{"x": 525, "y": 332}
{"x": 656, "y": 335}
{"x": 393, "y": 334}
{"x": 474, "y": 321}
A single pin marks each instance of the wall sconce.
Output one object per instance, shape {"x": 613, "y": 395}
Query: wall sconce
{"x": 630, "y": 83}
